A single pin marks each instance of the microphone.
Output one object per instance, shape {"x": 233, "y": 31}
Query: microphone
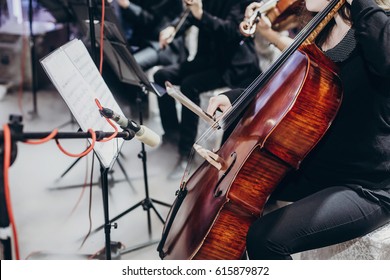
{"x": 142, "y": 133}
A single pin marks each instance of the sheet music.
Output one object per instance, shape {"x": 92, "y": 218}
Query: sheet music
{"x": 74, "y": 74}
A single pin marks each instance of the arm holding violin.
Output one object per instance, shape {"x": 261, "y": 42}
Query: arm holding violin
{"x": 264, "y": 27}
{"x": 177, "y": 27}
{"x": 196, "y": 8}
{"x": 276, "y": 38}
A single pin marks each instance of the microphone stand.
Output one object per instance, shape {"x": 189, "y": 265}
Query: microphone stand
{"x": 34, "y": 113}
{"x": 92, "y": 37}
{"x": 17, "y": 134}
{"x": 147, "y": 203}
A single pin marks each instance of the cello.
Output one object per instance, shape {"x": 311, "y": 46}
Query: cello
{"x": 288, "y": 109}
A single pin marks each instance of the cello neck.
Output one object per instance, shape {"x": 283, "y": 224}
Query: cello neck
{"x": 314, "y": 34}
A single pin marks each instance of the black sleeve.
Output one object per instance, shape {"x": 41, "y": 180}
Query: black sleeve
{"x": 157, "y": 15}
{"x": 227, "y": 28}
{"x": 233, "y": 94}
{"x": 137, "y": 15}
{"x": 372, "y": 29}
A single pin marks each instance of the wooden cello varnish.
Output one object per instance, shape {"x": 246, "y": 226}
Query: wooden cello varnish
{"x": 287, "y": 118}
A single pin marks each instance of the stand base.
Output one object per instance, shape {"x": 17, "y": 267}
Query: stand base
{"x": 100, "y": 255}
{"x": 116, "y": 252}
{"x": 112, "y": 182}
{"x": 146, "y": 204}
{"x": 138, "y": 247}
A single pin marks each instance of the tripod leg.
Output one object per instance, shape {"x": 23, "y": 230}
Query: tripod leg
{"x": 125, "y": 174}
{"x": 138, "y": 247}
{"x": 157, "y": 213}
{"x": 149, "y": 218}
{"x": 161, "y": 203}
{"x": 69, "y": 168}
{"x": 32, "y": 42}
{"x": 107, "y": 224}
{"x": 119, "y": 216}
{"x": 72, "y": 186}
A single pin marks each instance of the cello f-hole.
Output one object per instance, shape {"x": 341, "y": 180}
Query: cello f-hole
{"x": 230, "y": 161}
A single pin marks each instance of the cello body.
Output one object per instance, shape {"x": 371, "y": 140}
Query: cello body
{"x": 283, "y": 123}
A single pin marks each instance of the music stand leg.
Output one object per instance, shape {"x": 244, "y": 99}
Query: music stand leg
{"x": 69, "y": 168}
{"x": 34, "y": 112}
{"x": 124, "y": 173}
{"x": 107, "y": 224}
{"x": 95, "y": 183}
{"x": 4, "y": 224}
{"x": 147, "y": 202}
{"x": 71, "y": 122}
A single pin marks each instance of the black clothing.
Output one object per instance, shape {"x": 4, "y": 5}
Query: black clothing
{"x": 147, "y": 18}
{"x": 142, "y": 21}
{"x": 345, "y": 180}
{"x": 192, "y": 83}
{"x": 330, "y": 216}
{"x": 222, "y": 59}
{"x": 356, "y": 149}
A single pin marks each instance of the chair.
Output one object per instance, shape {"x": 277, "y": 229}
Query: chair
{"x": 372, "y": 246}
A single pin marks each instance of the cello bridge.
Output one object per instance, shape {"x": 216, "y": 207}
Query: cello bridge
{"x": 214, "y": 159}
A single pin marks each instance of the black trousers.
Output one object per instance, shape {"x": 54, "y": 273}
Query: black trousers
{"x": 325, "y": 217}
{"x": 152, "y": 55}
{"x": 193, "y": 78}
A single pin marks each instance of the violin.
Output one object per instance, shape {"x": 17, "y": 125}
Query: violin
{"x": 181, "y": 21}
{"x": 281, "y": 13}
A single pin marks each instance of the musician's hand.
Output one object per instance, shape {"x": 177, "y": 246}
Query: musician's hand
{"x": 220, "y": 101}
{"x": 166, "y": 35}
{"x": 251, "y": 9}
{"x": 263, "y": 26}
{"x": 123, "y": 3}
{"x": 196, "y": 8}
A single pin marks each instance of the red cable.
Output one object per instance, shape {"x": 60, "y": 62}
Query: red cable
{"x": 7, "y": 164}
{"x": 43, "y": 140}
{"x": 109, "y": 121}
{"x": 93, "y": 135}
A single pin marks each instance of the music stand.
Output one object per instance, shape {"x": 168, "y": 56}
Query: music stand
{"x": 81, "y": 13}
{"x": 119, "y": 57}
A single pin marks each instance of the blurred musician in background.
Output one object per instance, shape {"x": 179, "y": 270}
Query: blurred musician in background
{"x": 274, "y": 29}
{"x": 222, "y": 59}
{"x": 142, "y": 21}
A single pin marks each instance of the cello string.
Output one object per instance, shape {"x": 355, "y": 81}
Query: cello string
{"x": 250, "y": 92}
